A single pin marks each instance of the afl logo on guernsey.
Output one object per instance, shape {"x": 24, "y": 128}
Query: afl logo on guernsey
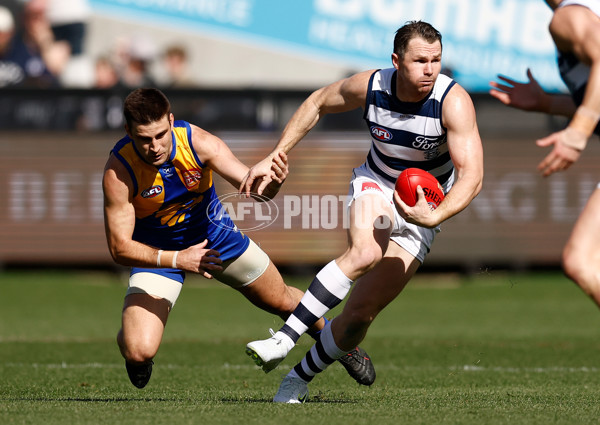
{"x": 152, "y": 192}
{"x": 381, "y": 133}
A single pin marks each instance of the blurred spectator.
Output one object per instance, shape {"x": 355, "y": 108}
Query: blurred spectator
{"x": 176, "y": 68}
{"x": 7, "y": 28}
{"x": 69, "y": 20}
{"x": 34, "y": 50}
{"x": 138, "y": 55}
{"x": 106, "y": 74}
{"x": 10, "y": 72}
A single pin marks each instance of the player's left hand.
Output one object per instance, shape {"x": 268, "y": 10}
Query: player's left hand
{"x": 527, "y": 96}
{"x": 421, "y": 214}
{"x": 565, "y": 151}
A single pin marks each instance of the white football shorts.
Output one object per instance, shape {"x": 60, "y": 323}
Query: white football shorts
{"x": 415, "y": 239}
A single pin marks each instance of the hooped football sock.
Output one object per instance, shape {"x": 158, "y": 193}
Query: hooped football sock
{"x": 323, "y": 353}
{"x": 315, "y": 334}
{"x": 326, "y": 291}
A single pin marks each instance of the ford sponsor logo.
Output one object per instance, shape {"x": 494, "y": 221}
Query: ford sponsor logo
{"x": 381, "y": 133}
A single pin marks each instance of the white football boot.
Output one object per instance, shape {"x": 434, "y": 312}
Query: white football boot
{"x": 291, "y": 390}
{"x": 268, "y": 353}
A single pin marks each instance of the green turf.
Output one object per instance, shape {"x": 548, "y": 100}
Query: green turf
{"x": 492, "y": 349}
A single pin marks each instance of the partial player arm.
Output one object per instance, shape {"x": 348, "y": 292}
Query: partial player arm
{"x": 464, "y": 144}
{"x": 466, "y": 151}
{"x": 341, "y": 96}
{"x": 215, "y": 153}
{"x": 119, "y": 223}
{"x": 575, "y": 29}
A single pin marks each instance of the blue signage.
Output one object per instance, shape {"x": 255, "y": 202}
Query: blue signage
{"x": 481, "y": 38}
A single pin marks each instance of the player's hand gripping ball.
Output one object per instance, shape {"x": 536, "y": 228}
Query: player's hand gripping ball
{"x": 409, "y": 179}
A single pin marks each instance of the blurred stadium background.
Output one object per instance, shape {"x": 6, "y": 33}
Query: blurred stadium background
{"x": 247, "y": 64}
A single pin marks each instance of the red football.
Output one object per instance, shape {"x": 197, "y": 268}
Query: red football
{"x": 409, "y": 179}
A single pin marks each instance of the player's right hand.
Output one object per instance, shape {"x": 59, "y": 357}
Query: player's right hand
{"x": 258, "y": 177}
{"x": 420, "y": 214}
{"x": 279, "y": 172}
{"x": 566, "y": 149}
{"x": 200, "y": 260}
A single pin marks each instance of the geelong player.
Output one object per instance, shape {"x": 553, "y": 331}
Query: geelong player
{"x": 416, "y": 117}
{"x": 575, "y": 29}
{"x": 163, "y": 218}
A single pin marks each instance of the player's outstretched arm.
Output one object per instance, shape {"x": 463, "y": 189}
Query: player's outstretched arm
{"x": 215, "y": 153}
{"x": 343, "y": 95}
{"x": 575, "y": 30}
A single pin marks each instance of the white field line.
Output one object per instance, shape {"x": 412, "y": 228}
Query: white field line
{"x": 561, "y": 369}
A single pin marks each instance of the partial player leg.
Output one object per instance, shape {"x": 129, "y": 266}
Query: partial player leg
{"x": 371, "y": 294}
{"x": 581, "y": 255}
{"x": 143, "y": 322}
{"x": 371, "y": 226}
{"x": 150, "y": 296}
{"x": 315, "y": 303}
{"x": 271, "y": 294}
{"x": 371, "y": 222}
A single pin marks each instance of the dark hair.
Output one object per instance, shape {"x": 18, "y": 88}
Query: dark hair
{"x": 145, "y": 105}
{"x": 413, "y": 29}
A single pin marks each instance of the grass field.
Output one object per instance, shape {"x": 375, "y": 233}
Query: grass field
{"x": 495, "y": 348}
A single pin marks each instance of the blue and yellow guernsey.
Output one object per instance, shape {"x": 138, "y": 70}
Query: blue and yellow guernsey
{"x": 176, "y": 205}
{"x": 406, "y": 134}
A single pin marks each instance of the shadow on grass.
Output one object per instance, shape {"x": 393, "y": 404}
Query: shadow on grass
{"x": 161, "y": 399}
{"x": 90, "y": 399}
{"x": 316, "y": 399}
{"x": 270, "y": 400}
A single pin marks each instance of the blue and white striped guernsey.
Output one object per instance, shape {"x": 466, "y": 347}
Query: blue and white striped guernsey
{"x": 406, "y": 134}
{"x": 574, "y": 73}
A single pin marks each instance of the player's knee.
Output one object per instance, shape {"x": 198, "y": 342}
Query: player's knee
{"x": 363, "y": 258}
{"x": 284, "y": 305}
{"x": 139, "y": 351}
{"x": 572, "y": 264}
{"x": 139, "y": 356}
{"x": 273, "y": 295}
{"x": 581, "y": 269}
